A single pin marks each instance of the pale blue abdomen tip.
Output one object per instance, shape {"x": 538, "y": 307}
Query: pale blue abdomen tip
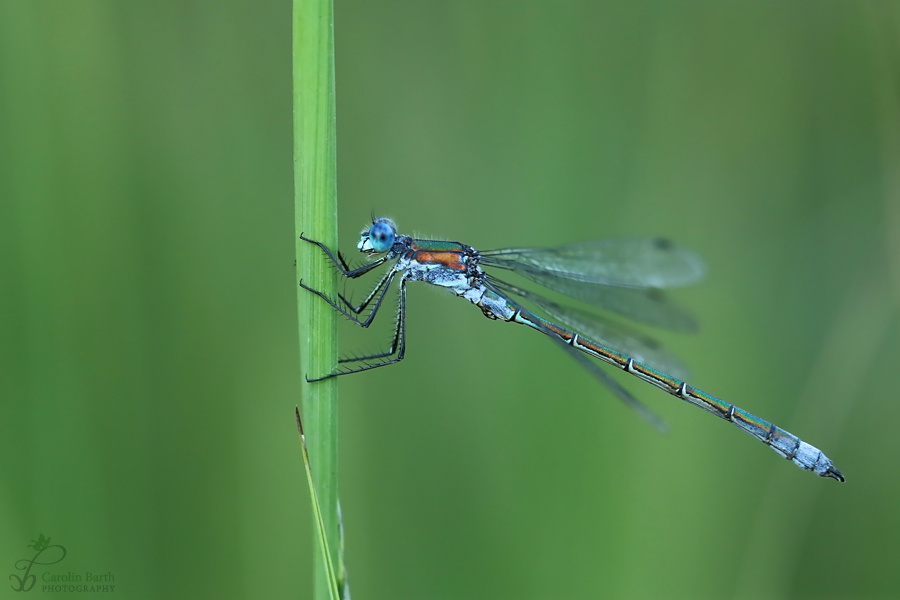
{"x": 812, "y": 459}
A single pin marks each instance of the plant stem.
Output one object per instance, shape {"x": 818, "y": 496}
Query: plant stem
{"x": 315, "y": 206}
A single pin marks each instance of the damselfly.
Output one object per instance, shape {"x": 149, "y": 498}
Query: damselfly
{"x": 621, "y": 275}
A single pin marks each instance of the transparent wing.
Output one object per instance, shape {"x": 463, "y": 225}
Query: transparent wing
{"x": 648, "y": 305}
{"x": 615, "y": 387}
{"x": 639, "y": 347}
{"x": 623, "y": 262}
{"x": 616, "y": 336}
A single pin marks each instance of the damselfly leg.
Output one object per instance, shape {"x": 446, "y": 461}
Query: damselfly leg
{"x": 398, "y": 345}
{"x": 341, "y": 264}
{"x": 382, "y": 285}
{"x": 396, "y": 351}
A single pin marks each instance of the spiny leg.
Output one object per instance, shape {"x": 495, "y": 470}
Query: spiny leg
{"x": 399, "y": 339}
{"x": 343, "y": 262}
{"x": 345, "y": 271}
{"x": 347, "y": 303}
{"x": 369, "y": 320}
{"x": 366, "y": 357}
{"x": 358, "y": 309}
{"x": 398, "y": 345}
{"x": 342, "y": 265}
{"x": 384, "y": 284}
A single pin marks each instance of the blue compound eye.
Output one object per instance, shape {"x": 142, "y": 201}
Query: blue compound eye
{"x": 382, "y": 235}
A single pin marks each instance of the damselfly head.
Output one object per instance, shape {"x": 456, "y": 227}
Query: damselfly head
{"x": 379, "y": 238}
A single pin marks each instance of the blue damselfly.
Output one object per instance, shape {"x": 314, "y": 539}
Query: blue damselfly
{"x": 621, "y": 275}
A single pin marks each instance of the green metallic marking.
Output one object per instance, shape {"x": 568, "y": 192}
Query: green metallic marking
{"x": 714, "y": 403}
{"x": 437, "y": 246}
{"x": 601, "y": 351}
{"x": 752, "y": 422}
{"x": 753, "y": 419}
{"x": 667, "y": 380}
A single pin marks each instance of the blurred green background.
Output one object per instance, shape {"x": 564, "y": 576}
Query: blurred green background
{"x": 148, "y": 338}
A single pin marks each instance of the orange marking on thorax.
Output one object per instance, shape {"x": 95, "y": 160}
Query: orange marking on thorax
{"x": 448, "y": 259}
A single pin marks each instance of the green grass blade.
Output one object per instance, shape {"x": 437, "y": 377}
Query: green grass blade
{"x": 323, "y": 538}
{"x": 316, "y": 216}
